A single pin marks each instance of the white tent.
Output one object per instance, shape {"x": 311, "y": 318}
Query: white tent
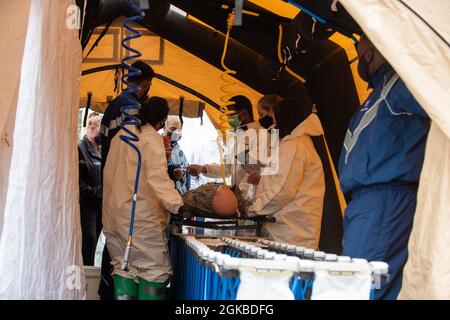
{"x": 40, "y": 243}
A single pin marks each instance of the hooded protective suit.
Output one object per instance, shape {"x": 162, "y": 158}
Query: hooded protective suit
{"x": 149, "y": 258}
{"x": 295, "y": 194}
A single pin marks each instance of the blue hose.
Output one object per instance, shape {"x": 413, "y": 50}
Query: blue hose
{"x": 308, "y": 12}
{"x": 129, "y": 117}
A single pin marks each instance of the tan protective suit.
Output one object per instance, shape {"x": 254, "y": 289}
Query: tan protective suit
{"x": 149, "y": 258}
{"x": 295, "y": 194}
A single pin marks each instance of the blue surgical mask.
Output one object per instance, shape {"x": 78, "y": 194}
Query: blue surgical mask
{"x": 175, "y": 137}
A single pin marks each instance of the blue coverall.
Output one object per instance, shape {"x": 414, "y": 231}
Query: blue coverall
{"x": 379, "y": 169}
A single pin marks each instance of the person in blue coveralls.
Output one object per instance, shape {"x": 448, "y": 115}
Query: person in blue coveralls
{"x": 379, "y": 168}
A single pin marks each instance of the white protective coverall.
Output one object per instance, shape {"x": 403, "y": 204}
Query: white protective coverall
{"x": 295, "y": 194}
{"x": 235, "y": 169}
{"x": 157, "y": 196}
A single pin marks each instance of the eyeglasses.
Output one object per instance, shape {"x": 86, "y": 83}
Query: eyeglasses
{"x": 94, "y": 114}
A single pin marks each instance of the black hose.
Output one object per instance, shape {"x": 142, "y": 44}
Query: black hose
{"x": 88, "y": 106}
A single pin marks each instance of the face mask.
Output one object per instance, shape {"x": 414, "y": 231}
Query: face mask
{"x": 363, "y": 67}
{"x": 266, "y": 122}
{"x": 234, "y": 120}
{"x": 98, "y": 140}
{"x": 175, "y": 137}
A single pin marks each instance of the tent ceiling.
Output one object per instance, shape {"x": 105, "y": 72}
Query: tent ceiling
{"x": 253, "y": 53}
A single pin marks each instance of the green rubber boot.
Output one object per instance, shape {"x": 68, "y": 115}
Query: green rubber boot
{"x": 152, "y": 290}
{"x": 124, "y": 288}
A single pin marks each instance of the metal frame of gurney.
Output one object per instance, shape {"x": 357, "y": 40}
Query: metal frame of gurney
{"x": 186, "y": 218}
{"x": 201, "y": 273}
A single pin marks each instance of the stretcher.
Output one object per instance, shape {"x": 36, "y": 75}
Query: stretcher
{"x": 192, "y": 217}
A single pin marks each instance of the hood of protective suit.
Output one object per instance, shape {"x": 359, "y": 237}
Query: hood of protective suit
{"x": 156, "y": 197}
{"x": 311, "y": 126}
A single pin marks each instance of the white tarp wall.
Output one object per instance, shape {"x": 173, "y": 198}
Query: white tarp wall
{"x": 422, "y": 59}
{"x": 13, "y": 27}
{"x": 40, "y": 246}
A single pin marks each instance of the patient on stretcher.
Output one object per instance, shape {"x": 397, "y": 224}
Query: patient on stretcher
{"x": 214, "y": 200}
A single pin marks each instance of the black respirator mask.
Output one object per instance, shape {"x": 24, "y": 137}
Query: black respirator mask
{"x": 266, "y": 122}
{"x": 98, "y": 140}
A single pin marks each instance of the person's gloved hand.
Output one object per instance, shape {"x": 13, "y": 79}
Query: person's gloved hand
{"x": 254, "y": 178}
{"x": 195, "y": 170}
{"x": 178, "y": 173}
{"x": 251, "y": 214}
{"x": 244, "y": 212}
{"x": 184, "y": 212}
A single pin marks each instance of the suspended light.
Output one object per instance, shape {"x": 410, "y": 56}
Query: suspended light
{"x": 178, "y": 10}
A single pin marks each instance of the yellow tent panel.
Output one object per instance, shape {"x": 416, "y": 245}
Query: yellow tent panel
{"x": 166, "y": 59}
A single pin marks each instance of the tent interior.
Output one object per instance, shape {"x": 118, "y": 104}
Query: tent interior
{"x": 174, "y": 56}
{"x": 183, "y": 40}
